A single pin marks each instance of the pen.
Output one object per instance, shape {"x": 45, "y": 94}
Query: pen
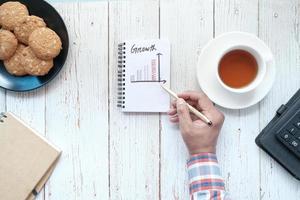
{"x": 191, "y": 108}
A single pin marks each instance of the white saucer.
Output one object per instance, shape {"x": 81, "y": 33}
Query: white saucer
{"x": 206, "y": 71}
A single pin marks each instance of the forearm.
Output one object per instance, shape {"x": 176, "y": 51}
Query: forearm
{"x": 205, "y": 179}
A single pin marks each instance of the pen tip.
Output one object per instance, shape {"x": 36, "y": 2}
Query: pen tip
{"x": 210, "y": 123}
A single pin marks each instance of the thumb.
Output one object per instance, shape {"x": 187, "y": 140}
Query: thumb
{"x": 183, "y": 115}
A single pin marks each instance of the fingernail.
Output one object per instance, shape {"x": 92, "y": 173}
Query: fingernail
{"x": 173, "y": 118}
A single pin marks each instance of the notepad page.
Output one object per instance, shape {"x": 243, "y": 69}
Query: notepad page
{"x": 147, "y": 65}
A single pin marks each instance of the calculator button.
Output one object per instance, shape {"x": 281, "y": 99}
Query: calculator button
{"x": 297, "y": 135}
{"x": 292, "y": 129}
{"x": 286, "y": 136}
{"x": 297, "y": 123}
{"x": 294, "y": 143}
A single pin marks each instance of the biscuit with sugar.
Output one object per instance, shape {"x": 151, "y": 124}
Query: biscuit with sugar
{"x": 45, "y": 43}
{"x": 11, "y": 14}
{"x": 24, "y": 29}
{"x": 15, "y": 64}
{"x": 8, "y": 44}
{"x": 35, "y": 66}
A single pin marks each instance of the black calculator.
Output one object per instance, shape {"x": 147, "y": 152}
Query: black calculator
{"x": 281, "y": 137}
{"x": 290, "y": 134}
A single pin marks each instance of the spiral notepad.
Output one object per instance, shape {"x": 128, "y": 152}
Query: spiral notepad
{"x": 142, "y": 67}
{"x": 26, "y": 159}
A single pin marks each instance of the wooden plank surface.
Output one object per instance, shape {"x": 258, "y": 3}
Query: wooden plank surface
{"x": 188, "y": 25}
{"x": 2, "y": 100}
{"x": 236, "y": 148}
{"x": 77, "y": 106}
{"x": 279, "y": 27}
{"x": 134, "y": 138}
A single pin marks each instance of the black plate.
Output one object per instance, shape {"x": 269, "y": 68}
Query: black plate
{"x": 55, "y": 22}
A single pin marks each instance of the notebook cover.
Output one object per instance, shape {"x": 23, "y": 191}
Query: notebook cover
{"x": 26, "y": 160}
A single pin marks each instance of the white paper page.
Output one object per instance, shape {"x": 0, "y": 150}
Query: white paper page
{"x": 147, "y": 66}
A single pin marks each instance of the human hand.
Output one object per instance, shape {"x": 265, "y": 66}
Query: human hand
{"x": 197, "y": 135}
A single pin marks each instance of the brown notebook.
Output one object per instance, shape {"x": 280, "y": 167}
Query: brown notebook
{"x": 26, "y": 159}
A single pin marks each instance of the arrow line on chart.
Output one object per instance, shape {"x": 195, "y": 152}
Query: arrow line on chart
{"x": 149, "y": 81}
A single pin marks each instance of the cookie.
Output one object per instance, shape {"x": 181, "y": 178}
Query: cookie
{"x": 45, "y": 43}
{"x": 11, "y": 14}
{"x": 35, "y": 66}
{"x": 15, "y": 64}
{"x": 8, "y": 44}
{"x": 24, "y": 29}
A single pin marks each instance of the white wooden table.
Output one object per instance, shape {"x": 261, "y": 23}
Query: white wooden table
{"x": 111, "y": 155}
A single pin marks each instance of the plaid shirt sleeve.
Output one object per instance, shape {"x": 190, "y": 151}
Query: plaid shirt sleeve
{"x": 205, "y": 181}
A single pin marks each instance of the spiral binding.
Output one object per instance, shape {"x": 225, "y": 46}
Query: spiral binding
{"x": 2, "y": 116}
{"x": 121, "y": 75}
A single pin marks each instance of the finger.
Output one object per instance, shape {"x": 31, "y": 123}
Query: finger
{"x": 174, "y": 119}
{"x": 183, "y": 115}
{"x": 190, "y": 95}
{"x": 172, "y": 111}
{"x": 175, "y": 115}
{"x": 173, "y": 104}
{"x": 191, "y": 102}
{"x": 204, "y": 103}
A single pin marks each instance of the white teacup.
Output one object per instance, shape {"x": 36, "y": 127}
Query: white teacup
{"x": 261, "y": 64}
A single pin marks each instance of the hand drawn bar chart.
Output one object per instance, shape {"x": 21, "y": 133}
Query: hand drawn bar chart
{"x": 148, "y": 73}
